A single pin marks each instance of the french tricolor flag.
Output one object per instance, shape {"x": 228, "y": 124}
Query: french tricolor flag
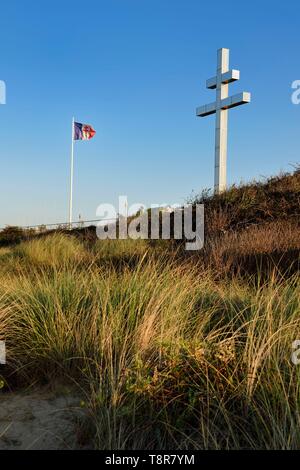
{"x": 83, "y": 131}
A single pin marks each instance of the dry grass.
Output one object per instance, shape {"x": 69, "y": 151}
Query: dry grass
{"x": 274, "y": 199}
{"x": 166, "y": 356}
{"x": 170, "y": 351}
{"x": 273, "y": 244}
{"x": 55, "y": 250}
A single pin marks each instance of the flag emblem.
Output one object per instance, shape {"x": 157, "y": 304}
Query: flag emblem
{"x": 83, "y": 131}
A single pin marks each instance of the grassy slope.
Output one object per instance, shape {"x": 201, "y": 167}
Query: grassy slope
{"x": 254, "y": 227}
{"x": 167, "y": 353}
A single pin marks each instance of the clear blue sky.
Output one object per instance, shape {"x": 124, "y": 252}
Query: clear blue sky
{"x": 136, "y": 71}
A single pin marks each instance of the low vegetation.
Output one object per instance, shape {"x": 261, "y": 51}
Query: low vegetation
{"x": 168, "y": 350}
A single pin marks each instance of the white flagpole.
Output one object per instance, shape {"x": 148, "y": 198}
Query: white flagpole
{"x": 71, "y": 177}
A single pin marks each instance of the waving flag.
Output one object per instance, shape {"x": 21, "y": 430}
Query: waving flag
{"x": 83, "y": 131}
{"x": 79, "y": 132}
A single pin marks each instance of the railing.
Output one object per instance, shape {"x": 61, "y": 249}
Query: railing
{"x": 61, "y": 225}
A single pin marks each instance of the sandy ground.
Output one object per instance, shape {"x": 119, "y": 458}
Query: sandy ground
{"x": 39, "y": 420}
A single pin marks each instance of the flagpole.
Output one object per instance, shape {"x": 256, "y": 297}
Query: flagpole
{"x": 71, "y": 177}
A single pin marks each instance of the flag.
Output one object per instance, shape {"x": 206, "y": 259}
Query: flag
{"x": 83, "y": 131}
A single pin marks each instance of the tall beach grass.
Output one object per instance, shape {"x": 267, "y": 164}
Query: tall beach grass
{"x": 165, "y": 355}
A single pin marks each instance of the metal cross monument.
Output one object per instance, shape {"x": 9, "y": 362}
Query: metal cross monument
{"x": 220, "y": 108}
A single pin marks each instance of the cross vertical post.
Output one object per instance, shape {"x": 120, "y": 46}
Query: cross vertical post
{"x": 220, "y": 107}
{"x": 221, "y": 122}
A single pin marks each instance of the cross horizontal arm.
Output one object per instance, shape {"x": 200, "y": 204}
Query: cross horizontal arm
{"x": 226, "y": 103}
{"x": 206, "y": 110}
{"x": 227, "y": 77}
{"x": 236, "y": 100}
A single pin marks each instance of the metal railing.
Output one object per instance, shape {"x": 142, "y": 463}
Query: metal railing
{"x": 60, "y": 225}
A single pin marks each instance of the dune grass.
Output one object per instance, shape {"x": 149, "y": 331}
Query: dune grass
{"x": 165, "y": 355}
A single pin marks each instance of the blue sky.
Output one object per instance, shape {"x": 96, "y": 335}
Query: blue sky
{"x": 136, "y": 71}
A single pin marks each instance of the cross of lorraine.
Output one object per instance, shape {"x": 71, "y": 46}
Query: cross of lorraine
{"x": 220, "y": 107}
